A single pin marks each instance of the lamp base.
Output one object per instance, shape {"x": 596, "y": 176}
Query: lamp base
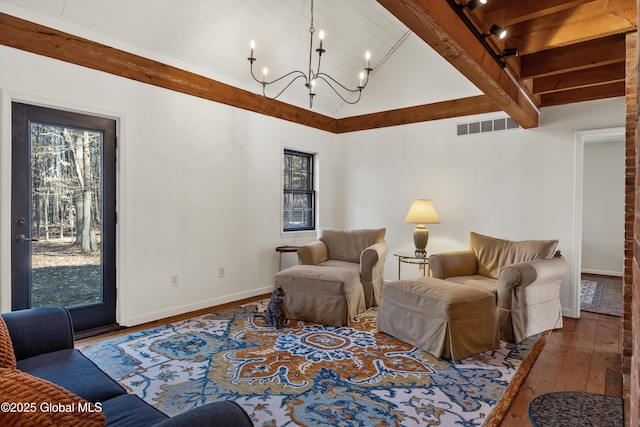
{"x": 420, "y": 239}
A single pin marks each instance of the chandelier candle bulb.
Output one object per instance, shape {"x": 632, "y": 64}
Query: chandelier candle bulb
{"x": 253, "y": 46}
{"x": 309, "y": 77}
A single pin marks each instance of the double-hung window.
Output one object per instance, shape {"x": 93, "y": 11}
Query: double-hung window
{"x": 298, "y": 210}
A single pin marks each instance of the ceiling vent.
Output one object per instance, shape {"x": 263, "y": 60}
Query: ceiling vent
{"x": 487, "y": 126}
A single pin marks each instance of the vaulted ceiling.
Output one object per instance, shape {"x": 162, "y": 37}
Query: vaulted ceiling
{"x": 569, "y": 50}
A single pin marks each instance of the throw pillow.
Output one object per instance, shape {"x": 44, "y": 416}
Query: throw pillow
{"x": 493, "y": 253}
{"x": 7, "y": 356}
{"x": 527, "y": 250}
{"x": 487, "y": 250}
{"x": 32, "y": 401}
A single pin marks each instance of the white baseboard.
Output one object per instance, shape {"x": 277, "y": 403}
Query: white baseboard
{"x": 602, "y": 272}
{"x": 174, "y": 311}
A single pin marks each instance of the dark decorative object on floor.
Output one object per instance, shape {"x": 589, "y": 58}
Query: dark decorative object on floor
{"x": 274, "y": 315}
{"x": 576, "y": 409}
{"x": 601, "y": 294}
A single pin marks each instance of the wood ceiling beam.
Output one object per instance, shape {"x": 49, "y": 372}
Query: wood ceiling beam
{"x": 592, "y": 20}
{"x": 508, "y": 13}
{"x": 35, "y": 38}
{"x": 583, "y": 94}
{"x": 605, "y": 74}
{"x": 584, "y": 55}
{"x": 440, "y": 110}
{"x": 437, "y": 24}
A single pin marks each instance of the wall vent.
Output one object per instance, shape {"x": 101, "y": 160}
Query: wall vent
{"x": 487, "y": 126}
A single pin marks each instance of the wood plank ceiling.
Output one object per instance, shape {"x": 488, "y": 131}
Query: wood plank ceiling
{"x": 569, "y": 51}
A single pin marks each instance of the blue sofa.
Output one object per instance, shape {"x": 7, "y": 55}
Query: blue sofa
{"x": 42, "y": 341}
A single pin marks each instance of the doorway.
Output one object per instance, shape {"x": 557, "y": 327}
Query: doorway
{"x": 63, "y": 214}
{"x": 583, "y": 138}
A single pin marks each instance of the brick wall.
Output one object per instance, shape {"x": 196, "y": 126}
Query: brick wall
{"x": 631, "y": 288}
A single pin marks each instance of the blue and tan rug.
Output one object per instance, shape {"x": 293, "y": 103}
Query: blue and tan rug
{"x": 601, "y": 294}
{"x": 309, "y": 374}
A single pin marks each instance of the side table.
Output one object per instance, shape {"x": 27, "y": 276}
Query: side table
{"x": 408, "y": 257}
{"x": 288, "y": 256}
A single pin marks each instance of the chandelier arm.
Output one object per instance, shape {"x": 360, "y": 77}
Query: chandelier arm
{"x": 310, "y": 76}
{"x": 264, "y": 86}
{"x": 262, "y": 82}
{"x": 358, "y": 91}
{"x": 323, "y": 75}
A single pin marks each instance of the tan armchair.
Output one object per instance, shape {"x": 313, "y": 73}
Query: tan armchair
{"x": 363, "y": 251}
{"x": 339, "y": 276}
{"x": 525, "y": 277}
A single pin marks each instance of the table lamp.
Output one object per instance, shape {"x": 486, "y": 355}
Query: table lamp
{"x": 421, "y": 212}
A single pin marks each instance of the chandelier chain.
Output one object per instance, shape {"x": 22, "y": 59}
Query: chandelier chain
{"x": 311, "y": 29}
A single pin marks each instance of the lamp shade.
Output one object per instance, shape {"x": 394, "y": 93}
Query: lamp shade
{"x": 422, "y": 212}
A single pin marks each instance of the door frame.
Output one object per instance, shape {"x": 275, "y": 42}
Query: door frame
{"x": 581, "y": 138}
{"x": 7, "y": 97}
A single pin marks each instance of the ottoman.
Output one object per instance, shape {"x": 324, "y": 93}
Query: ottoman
{"x": 443, "y": 318}
{"x": 322, "y": 294}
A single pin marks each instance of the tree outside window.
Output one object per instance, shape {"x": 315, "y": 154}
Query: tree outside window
{"x": 298, "y": 211}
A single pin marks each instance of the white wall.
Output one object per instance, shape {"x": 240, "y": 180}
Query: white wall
{"x": 514, "y": 184}
{"x": 199, "y": 183}
{"x": 198, "y": 186}
{"x": 603, "y": 208}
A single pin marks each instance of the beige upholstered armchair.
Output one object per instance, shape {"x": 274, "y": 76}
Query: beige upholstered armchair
{"x": 525, "y": 277}
{"x": 363, "y": 251}
{"x": 339, "y": 276}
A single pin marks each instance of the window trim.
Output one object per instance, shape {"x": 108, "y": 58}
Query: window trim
{"x": 313, "y": 192}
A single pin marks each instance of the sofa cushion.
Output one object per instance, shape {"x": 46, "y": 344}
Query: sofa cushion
{"x": 477, "y": 281}
{"x": 130, "y": 410}
{"x": 347, "y": 245}
{"x": 44, "y": 403}
{"x": 73, "y": 371}
{"x": 7, "y": 356}
{"x": 493, "y": 253}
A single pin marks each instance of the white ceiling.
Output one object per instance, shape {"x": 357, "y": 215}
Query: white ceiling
{"x": 211, "y": 37}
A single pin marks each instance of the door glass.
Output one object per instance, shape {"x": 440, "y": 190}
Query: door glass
{"x": 66, "y": 254}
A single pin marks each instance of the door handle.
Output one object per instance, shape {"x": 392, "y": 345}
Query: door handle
{"x": 23, "y": 238}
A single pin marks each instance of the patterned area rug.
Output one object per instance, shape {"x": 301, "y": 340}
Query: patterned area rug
{"x": 308, "y": 374}
{"x": 601, "y": 294}
{"x": 576, "y": 409}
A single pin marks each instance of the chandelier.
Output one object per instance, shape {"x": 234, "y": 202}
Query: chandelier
{"x": 311, "y": 77}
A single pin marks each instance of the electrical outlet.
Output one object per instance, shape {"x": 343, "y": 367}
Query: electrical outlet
{"x": 174, "y": 280}
{"x": 221, "y": 272}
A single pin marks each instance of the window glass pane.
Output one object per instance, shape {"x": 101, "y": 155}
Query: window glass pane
{"x": 288, "y": 201}
{"x": 296, "y": 162}
{"x": 298, "y": 198}
{"x": 296, "y": 183}
{"x": 309, "y": 217}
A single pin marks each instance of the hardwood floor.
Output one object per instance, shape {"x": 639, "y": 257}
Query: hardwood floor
{"x": 582, "y": 356}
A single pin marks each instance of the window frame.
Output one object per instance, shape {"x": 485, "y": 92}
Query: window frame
{"x": 310, "y": 191}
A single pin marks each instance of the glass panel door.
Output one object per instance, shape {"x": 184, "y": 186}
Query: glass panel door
{"x": 63, "y": 210}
